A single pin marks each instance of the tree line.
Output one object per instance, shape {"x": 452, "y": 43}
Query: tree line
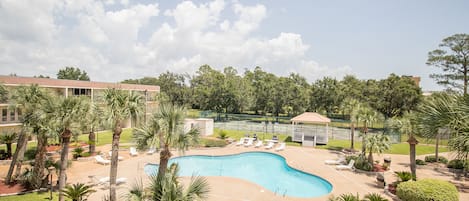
{"x": 263, "y": 93}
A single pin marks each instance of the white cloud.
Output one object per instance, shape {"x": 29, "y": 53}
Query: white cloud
{"x": 116, "y": 44}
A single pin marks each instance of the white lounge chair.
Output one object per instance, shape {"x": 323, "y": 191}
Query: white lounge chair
{"x": 119, "y": 157}
{"x": 151, "y": 151}
{"x": 249, "y": 143}
{"x": 133, "y": 151}
{"x": 335, "y": 162}
{"x": 105, "y": 181}
{"x": 258, "y": 144}
{"x": 346, "y": 167}
{"x": 241, "y": 142}
{"x": 100, "y": 159}
{"x": 280, "y": 147}
{"x": 269, "y": 145}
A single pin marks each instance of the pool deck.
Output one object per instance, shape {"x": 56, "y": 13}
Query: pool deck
{"x": 310, "y": 160}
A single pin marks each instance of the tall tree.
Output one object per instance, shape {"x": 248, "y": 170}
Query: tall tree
{"x": 91, "y": 123}
{"x": 408, "y": 124}
{"x": 72, "y": 73}
{"x": 116, "y": 110}
{"x": 166, "y": 128}
{"x": 325, "y": 95}
{"x": 367, "y": 116}
{"x": 351, "y": 107}
{"x": 453, "y": 59}
{"x": 263, "y": 86}
{"x": 437, "y": 114}
{"x": 67, "y": 113}
{"x": 3, "y": 93}
{"x": 376, "y": 143}
{"x": 397, "y": 95}
{"x": 30, "y": 100}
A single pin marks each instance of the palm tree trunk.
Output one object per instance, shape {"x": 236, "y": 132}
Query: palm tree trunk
{"x": 352, "y": 136}
{"x": 370, "y": 157}
{"x": 436, "y": 146}
{"x": 17, "y": 155}
{"x": 165, "y": 155}
{"x": 365, "y": 132}
{"x": 412, "y": 143}
{"x": 19, "y": 162}
{"x": 92, "y": 142}
{"x": 64, "y": 161}
{"x": 38, "y": 170}
{"x": 114, "y": 161}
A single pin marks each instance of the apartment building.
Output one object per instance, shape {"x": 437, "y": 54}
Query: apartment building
{"x": 10, "y": 117}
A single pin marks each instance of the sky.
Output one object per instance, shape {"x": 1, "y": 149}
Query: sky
{"x": 113, "y": 40}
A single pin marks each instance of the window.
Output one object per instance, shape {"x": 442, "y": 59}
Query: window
{"x": 20, "y": 114}
{"x": 12, "y": 115}
{"x": 4, "y": 114}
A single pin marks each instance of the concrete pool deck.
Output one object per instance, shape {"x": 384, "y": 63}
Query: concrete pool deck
{"x": 310, "y": 160}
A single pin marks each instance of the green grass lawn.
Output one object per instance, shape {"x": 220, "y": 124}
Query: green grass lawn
{"x": 37, "y": 196}
{"x": 235, "y": 134}
{"x": 105, "y": 137}
{"x": 400, "y": 148}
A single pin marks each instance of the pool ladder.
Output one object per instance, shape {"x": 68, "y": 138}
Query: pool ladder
{"x": 277, "y": 190}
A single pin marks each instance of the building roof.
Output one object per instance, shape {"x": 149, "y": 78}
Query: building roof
{"x": 47, "y": 82}
{"x": 310, "y": 117}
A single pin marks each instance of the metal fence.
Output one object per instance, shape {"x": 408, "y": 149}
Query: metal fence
{"x": 287, "y": 129}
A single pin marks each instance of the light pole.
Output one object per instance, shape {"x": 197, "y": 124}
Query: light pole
{"x": 51, "y": 184}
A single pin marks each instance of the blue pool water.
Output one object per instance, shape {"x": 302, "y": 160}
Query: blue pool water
{"x": 266, "y": 169}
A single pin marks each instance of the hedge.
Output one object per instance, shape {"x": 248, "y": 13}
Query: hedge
{"x": 427, "y": 189}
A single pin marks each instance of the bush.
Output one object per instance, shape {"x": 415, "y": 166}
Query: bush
{"x": 404, "y": 176}
{"x": 427, "y": 189}
{"x": 207, "y": 142}
{"x": 30, "y": 154}
{"x": 222, "y": 134}
{"x": 420, "y": 162}
{"x": 362, "y": 163}
{"x": 456, "y": 164}
{"x": 432, "y": 159}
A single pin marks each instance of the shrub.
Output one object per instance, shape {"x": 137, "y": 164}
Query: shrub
{"x": 427, "y": 189}
{"x": 30, "y": 154}
{"x": 222, "y": 134}
{"x": 420, "y": 162}
{"x": 404, "y": 176}
{"x": 362, "y": 163}
{"x": 207, "y": 142}
{"x": 456, "y": 164}
{"x": 432, "y": 159}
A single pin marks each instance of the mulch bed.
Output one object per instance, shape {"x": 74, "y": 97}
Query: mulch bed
{"x": 378, "y": 168}
{"x": 12, "y": 188}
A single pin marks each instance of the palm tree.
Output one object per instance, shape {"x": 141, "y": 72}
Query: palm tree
{"x": 408, "y": 125}
{"x": 169, "y": 188}
{"x": 166, "y": 126}
{"x": 437, "y": 115}
{"x": 92, "y": 121}
{"x": 117, "y": 110}
{"x": 351, "y": 107}
{"x": 67, "y": 113}
{"x": 30, "y": 100}
{"x": 377, "y": 143}
{"x": 3, "y": 94}
{"x": 136, "y": 103}
{"x": 78, "y": 191}
{"x": 367, "y": 116}
{"x": 8, "y": 139}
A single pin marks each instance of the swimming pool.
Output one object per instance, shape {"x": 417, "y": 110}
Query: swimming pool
{"x": 266, "y": 169}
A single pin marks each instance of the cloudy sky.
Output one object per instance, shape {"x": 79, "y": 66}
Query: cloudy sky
{"x": 118, "y": 39}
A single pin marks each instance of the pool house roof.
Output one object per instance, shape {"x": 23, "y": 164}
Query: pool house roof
{"x": 310, "y": 117}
